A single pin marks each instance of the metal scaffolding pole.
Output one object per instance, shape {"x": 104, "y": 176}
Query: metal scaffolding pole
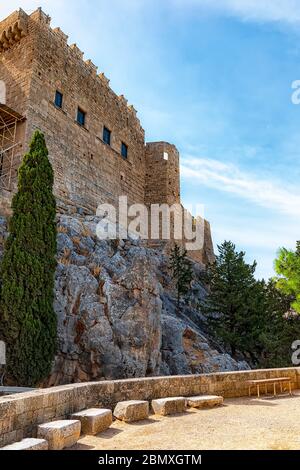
{"x": 9, "y": 120}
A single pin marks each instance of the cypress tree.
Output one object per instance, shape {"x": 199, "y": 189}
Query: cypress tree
{"x": 182, "y": 273}
{"x": 28, "y": 322}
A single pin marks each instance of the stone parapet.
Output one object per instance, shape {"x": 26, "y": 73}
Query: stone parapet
{"x": 21, "y": 414}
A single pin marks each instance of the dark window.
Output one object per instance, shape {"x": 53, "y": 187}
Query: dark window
{"x": 80, "y": 117}
{"x": 58, "y": 99}
{"x": 106, "y": 135}
{"x": 124, "y": 150}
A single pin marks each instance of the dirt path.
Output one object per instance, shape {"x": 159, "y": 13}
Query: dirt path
{"x": 241, "y": 423}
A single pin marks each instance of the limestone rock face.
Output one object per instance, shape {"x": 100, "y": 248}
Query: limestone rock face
{"x": 116, "y": 311}
{"x": 109, "y": 310}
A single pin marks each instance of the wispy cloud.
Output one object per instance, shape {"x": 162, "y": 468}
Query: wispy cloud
{"x": 287, "y": 11}
{"x": 229, "y": 178}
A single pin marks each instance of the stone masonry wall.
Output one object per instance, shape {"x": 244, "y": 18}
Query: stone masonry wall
{"x": 16, "y": 72}
{"x": 162, "y": 174}
{"x": 35, "y": 62}
{"x": 20, "y": 414}
{"x": 87, "y": 171}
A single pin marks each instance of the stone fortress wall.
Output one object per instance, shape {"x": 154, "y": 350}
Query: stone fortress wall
{"x": 36, "y": 62}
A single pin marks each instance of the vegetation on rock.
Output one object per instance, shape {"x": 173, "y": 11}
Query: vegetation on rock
{"x": 182, "y": 273}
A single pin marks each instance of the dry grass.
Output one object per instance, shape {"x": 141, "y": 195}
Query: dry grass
{"x": 64, "y": 261}
{"x": 96, "y": 271}
{"x": 62, "y": 229}
{"x": 86, "y": 232}
{"x": 76, "y": 241}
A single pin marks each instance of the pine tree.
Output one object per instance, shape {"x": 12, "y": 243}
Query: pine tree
{"x": 182, "y": 273}
{"x": 27, "y": 320}
{"x": 287, "y": 267}
{"x": 235, "y": 304}
{"x": 282, "y": 328}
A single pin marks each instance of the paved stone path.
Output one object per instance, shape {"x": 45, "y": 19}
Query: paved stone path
{"x": 241, "y": 423}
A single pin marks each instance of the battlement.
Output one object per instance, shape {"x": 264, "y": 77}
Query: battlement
{"x": 16, "y": 26}
{"x": 12, "y": 30}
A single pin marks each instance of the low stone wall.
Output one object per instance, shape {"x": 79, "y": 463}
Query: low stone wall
{"x": 20, "y": 414}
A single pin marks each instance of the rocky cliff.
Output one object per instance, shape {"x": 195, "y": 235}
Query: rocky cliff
{"x": 116, "y": 311}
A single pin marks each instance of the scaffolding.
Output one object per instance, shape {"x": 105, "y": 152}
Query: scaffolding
{"x": 9, "y": 145}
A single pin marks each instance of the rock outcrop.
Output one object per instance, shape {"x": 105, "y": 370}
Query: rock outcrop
{"x": 116, "y": 311}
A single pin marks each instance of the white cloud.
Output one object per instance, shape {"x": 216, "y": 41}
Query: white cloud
{"x": 228, "y": 178}
{"x": 287, "y": 11}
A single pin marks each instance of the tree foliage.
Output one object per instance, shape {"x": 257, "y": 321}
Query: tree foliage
{"x": 287, "y": 266}
{"x": 251, "y": 317}
{"x": 235, "y": 301}
{"x": 182, "y": 273}
{"x": 27, "y": 319}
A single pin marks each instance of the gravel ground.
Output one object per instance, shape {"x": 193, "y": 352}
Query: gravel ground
{"x": 242, "y": 423}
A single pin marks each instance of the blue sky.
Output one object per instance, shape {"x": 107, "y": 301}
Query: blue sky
{"x": 214, "y": 77}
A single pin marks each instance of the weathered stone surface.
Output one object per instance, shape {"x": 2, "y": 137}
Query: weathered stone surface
{"x": 205, "y": 401}
{"x": 94, "y": 420}
{"x": 60, "y": 434}
{"x": 133, "y": 410}
{"x": 20, "y": 414}
{"x": 185, "y": 349}
{"x": 117, "y": 312}
{"x": 28, "y": 444}
{"x": 168, "y": 406}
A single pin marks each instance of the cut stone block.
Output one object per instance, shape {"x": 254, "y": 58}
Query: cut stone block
{"x": 167, "y": 406}
{"x": 94, "y": 420}
{"x": 60, "y": 434}
{"x": 133, "y": 410}
{"x": 28, "y": 444}
{"x": 205, "y": 401}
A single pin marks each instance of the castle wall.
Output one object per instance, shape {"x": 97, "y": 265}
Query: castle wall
{"x": 16, "y": 55}
{"x": 87, "y": 171}
{"x": 36, "y": 61}
{"x": 162, "y": 184}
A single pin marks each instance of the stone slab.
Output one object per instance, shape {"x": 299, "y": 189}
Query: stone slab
{"x": 60, "y": 434}
{"x": 205, "y": 401}
{"x": 28, "y": 444}
{"x": 167, "y": 406}
{"x": 133, "y": 410}
{"x": 94, "y": 420}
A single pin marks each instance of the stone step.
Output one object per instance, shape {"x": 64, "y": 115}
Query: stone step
{"x": 94, "y": 420}
{"x": 205, "y": 401}
{"x": 133, "y": 410}
{"x": 28, "y": 444}
{"x": 167, "y": 406}
{"x": 60, "y": 434}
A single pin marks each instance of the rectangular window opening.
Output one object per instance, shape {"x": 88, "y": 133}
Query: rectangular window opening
{"x": 124, "y": 150}
{"x": 58, "y": 99}
{"x": 81, "y": 117}
{"x": 106, "y": 135}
